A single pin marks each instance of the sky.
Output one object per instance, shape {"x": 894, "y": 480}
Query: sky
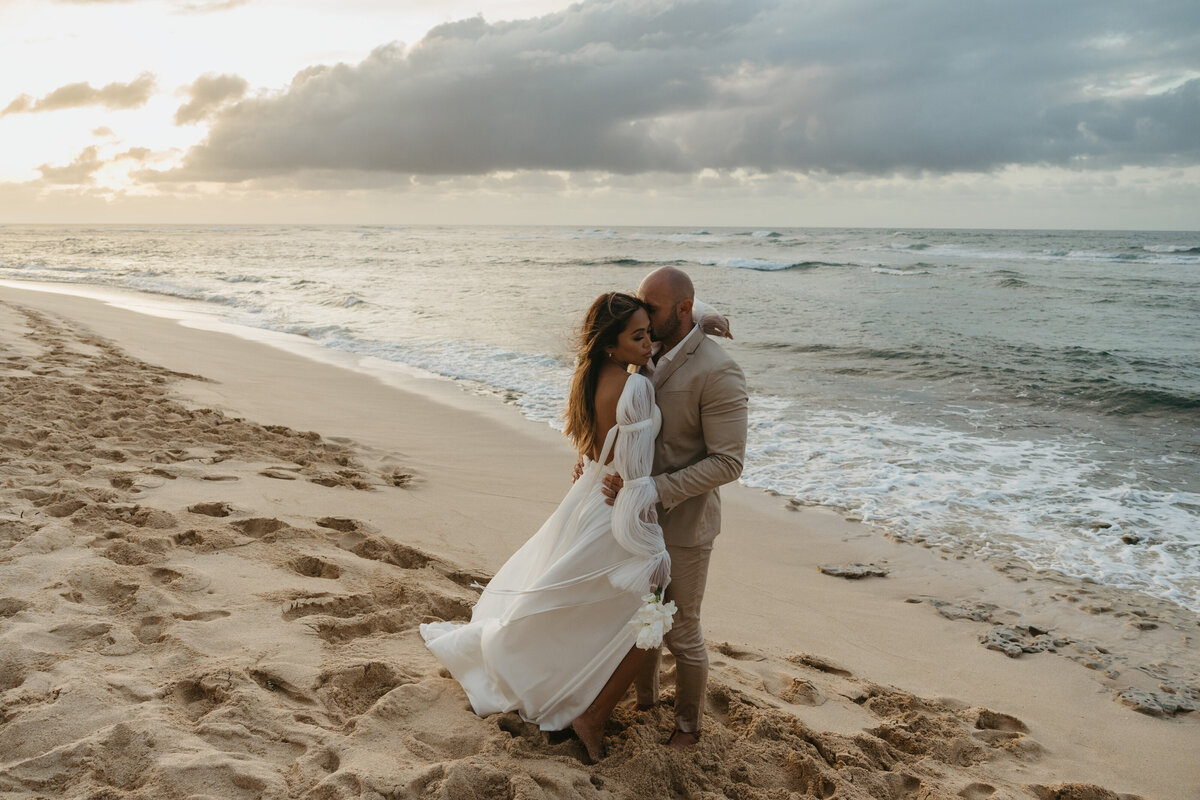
{"x": 873, "y": 113}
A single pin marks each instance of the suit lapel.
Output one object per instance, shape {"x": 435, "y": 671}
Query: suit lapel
{"x": 661, "y": 375}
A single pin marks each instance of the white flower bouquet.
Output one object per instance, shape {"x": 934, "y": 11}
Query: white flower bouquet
{"x": 652, "y": 620}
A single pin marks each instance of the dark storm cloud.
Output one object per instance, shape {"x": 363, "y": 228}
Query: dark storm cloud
{"x": 74, "y": 95}
{"x": 865, "y": 86}
{"x": 208, "y": 93}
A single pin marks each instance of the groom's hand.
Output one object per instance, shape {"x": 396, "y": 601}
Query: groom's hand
{"x": 611, "y": 485}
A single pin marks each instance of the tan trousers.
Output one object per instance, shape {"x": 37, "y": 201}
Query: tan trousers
{"x": 689, "y": 573}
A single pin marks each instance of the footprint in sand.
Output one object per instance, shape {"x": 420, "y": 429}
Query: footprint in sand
{"x": 152, "y": 629}
{"x": 795, "y": 691}
{"x": 198, "y": 696}
{"x": 313, "y": 567}
{"x": 995, "y": 721}
{"x": 737, "y": 653}
{"x": 215, "y": 509}
{"x": 342, "y": 524}
{"x": 279, "y": 473}
{"x": 10, "y": 606}
{"x": 352, "y": 690}
{"x": 820, "y": 664}
{"x": 201, "y": 616}
{"x": 181, "y": 579}
{"x": 376, "y": 548}
{"x": 258, "y": 527}
{"x": 329, "y": 605}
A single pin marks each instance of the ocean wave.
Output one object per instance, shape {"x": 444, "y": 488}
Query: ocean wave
{"x": 763, "y": 265}
{"x": 1098, "y": 381}
{"x": 753, "y": 264}
{"x": 899, "y": 272}
{"x": 1180, "y": 249}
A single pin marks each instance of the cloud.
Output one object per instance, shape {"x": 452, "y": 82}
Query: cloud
{"x": 78, "y": 171}
{"x": 183, "y": 6}
{"x": 74, "y": 95}
{"x": 135, "y": 154}
{"x": 208, "y": 93}
{"x": 822, "y": 87}
{"x": 211, "y": 6}
{"x": 103, "y": 131}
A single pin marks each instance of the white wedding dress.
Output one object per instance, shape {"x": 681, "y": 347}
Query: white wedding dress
{"x": 550, "y": 629}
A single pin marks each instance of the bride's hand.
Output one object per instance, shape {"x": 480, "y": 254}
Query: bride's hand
{"x": 710, "y": 320}
{"x": 578, "y": 471}
{"x": 716, "y": 324}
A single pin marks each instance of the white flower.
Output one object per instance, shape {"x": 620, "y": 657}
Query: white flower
{"x": 652, "y": 621}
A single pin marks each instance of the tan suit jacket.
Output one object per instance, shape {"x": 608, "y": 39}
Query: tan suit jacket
{"x": 701, "y": 392}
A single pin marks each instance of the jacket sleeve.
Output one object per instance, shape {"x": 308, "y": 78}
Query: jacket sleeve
{"x": 723, "y": 411}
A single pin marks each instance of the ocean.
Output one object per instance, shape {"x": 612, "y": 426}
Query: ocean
{"x": 1030, "y": 395}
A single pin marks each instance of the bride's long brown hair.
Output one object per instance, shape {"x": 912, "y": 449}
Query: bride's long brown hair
{"x": 602, "y": 324}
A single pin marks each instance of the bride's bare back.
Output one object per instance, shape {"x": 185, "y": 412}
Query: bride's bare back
{"x": 608, "y": 391}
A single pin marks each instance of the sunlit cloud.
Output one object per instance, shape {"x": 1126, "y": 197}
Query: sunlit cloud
{"x": 78, "y": 171}
{"x": 134, "y": 153}
{"x": 76, "y": 95}
{"x": 208, "y": 93}
{"x": 185, "y": 6}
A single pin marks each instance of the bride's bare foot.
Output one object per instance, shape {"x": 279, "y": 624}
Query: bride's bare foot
{"x": 681, "y": 740}
{"x": 592, "y": 736}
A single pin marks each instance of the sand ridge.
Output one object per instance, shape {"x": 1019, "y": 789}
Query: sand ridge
{"x": 177, "y": 622}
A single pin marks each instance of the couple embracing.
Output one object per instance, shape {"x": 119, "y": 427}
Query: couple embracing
{"x": 657, "y": 412}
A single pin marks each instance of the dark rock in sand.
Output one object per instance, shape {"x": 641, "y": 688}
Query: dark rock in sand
{"x": 853, "y": 571}
{"x": 976, "y": 612}
{"x": 1013, "y": 640}
{"x": 1161, "y": 704}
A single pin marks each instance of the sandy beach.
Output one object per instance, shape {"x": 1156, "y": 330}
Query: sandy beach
{"x": 215, "y": 552}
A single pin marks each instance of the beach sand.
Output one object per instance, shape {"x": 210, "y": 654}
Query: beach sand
{"x": 201, "y": 597}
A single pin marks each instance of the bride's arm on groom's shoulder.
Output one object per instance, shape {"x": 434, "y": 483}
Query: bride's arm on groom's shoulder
{"x": 711, "y": 321}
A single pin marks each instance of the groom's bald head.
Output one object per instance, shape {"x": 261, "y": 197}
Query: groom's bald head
{"x": 670, "y": 282}
{"x": 668, "y": 295}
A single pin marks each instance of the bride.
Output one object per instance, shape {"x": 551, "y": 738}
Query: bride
{"x": 554, "y": 635}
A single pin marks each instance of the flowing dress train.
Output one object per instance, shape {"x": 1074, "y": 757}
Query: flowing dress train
{"x": 551, "y": 627}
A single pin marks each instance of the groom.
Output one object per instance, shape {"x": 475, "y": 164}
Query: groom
{"x": 702, "y": 395}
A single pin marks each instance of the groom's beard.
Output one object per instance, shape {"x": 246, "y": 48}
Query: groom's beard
{"x": 669, "y": 329}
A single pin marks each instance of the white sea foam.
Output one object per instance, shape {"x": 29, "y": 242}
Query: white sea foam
{"x": 1042, "y": 501}
{"x": 758, "y": 264}
{"x": 898, "y": 272}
